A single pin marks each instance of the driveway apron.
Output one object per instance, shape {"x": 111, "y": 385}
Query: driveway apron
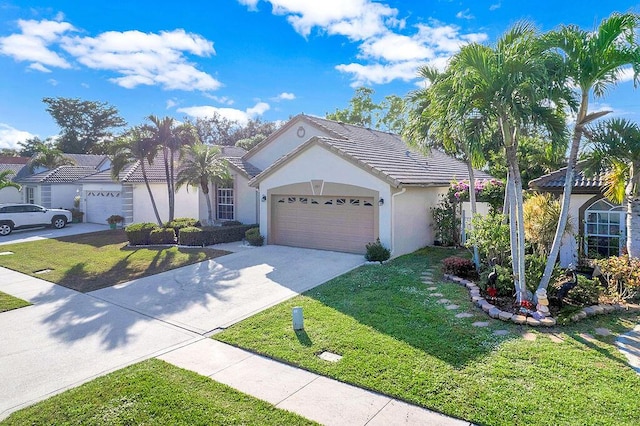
{"x": 217, "y": 293}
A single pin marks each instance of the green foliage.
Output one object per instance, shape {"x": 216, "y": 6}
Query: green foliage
{"x": 459, "y": 266}
{"x": 115, "y": 218}
{"x": 5, "y": 180}
{"x": 444, "y": 224}
{"x": 376, "y": 252}
{"x": 191, "y": 236}
{"x": 210, "y": 235}
{"x": 541, "y": 217}
{"x": 622, "y": 274}
{"x": 138, "y": 234}
{"x": 491, "y": 235}
{"x": 586, "y": 293}
{"x": 250, "y": 142}
{"x": 389, "y": 115}
{"x": 231, "y": 223}
{"x": 162, "y": 236}
{"x": 487, "y": 190}
{"x": 85, "y": 125}
{"x": 218, "y": 130}
{"x": 535, "y": 264}
{"x": 504, "y": 280}
{"x": 253, "y": 237}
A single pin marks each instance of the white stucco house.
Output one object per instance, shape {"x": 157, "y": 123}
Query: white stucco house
{"x": 598, "y": 225}
{"x": 329, "y": 185}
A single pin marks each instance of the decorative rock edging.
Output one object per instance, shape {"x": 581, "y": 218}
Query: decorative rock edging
{"x": 494, "y": 312}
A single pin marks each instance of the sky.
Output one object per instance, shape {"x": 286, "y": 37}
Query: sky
{"x": 249, "y": 58}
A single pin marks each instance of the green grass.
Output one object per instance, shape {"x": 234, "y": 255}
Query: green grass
{"x": 153, "y": 393}
{"x": 8, "y": 302}
{"x": 96, "y": 260}
{"x": 398, "y": 340}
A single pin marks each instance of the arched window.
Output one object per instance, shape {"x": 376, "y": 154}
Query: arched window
{"x": 604, "y": 229}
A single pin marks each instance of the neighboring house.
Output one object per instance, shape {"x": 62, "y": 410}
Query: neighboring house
{"x": 335, "y": 186}
{"x": 598, "y": 225}
{"x": 17, "y": 166}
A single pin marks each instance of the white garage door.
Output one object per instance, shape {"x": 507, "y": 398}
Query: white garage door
{"x": 102, "y": 204}
{"x": 328, "y": 223}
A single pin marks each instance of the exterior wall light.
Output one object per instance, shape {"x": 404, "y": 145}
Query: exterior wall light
{"x": 264, "y": 198}
{"x": 381, "y": 202}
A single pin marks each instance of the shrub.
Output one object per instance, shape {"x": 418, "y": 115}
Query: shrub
{"x": 376, "y": 252}
{"x": 162, "y": 236}
{"x": 535, "y": 265}
{"x": 138, "y": 233}
{"x": 504, "y": 282}
{"x": 491, "y": 235}
{"x": 459, "y": 266}
{"x": 191, "y": 236}
{"x": 541, "y": 216}
{"x": 253, "y": 237}
{"x": 586, "y": 293}
{"x": 182, "y": 222}
{"x": 444, "y": 224}
{"x": 231, "y": 223}
{"x": 224, "y": 234}
{"x": 622, "y": 275}
{"x": 114, "y": 219}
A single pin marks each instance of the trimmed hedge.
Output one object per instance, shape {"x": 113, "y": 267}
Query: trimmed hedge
{"x": 162, "y": 236}
{"x": 181, "y": 222}
{"x": 191, "y": 236}
{"x": 139, "y": 234}
{"x": 231, "y": 223}
{"x": 210, "y": 235}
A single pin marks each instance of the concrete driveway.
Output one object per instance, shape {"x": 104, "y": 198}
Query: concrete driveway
{"x": 67, "y": 338}
{"x": 42, "y": 233}
{"x": 222, "y": 291}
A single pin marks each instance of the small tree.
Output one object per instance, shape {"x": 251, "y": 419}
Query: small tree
{"x": 541, "y": 215}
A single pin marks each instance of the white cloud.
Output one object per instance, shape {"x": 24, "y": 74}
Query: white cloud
{"x": 9, "y": 136}
{"x": 171, "y": 103}
{"x": 252, "y": 5}
{"x": 495, "y": 6}
{"x": 465, "y": 14}
{"x": 626, "y": 74}
{"x": 386, "y": 51}
{"x": 38, "y": 67}
{"x": 33, "y": 41}
{"x": 85, "y": 85}
{"x": 135, "y": 57}
{"x": 284, "y": 96}
{"x": 52, "y": 81}
{"x": 240, "y": 116}
{"x": 224, "y": 100}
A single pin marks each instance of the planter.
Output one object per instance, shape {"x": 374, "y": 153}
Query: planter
{"x": 113, "y": 225}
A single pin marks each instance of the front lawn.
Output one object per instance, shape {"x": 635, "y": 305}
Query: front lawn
{"x": 397, "y": 337}
{"x": 96, "y": 260}
{"x": 153, "y": 393}
{"x": 8, "y": 302}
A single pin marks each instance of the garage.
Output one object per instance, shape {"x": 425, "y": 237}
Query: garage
{"x": 339, "y": 223}
{"x": 102, "y": 204}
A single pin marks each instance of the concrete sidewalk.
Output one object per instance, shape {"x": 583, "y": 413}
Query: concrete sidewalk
{"x": 310, "y": 395}
{"x": 629, "y": 345}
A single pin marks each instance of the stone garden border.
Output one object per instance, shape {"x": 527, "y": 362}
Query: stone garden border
{"x": 494, "y": 312}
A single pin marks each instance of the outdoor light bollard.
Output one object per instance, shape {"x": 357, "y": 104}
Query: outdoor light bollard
{"x": 298, "y": 320}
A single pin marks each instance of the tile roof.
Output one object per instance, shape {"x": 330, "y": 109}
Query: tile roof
{"x": 386, "y": 154}
{"x": 232, "y": 151}
{"x": 15, "y": 164}
{"x": 87, "y": 160}
{"x": 62, "y": 174}
{"x": 244, "y": 166}
{"x": 555, "y": 180}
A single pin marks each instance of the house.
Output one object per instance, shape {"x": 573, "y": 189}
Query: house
{"x": 598, "y": 225}
{"x": 334, "y": 186}
{"x": 17, "y": 166}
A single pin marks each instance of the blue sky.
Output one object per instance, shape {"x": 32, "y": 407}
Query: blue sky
{"x": 247, "y": 58}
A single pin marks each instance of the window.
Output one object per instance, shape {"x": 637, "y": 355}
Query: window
{"x": 225, "y": 203}
{"x": 604, "y": 229}
{"x": 30, "y": 194}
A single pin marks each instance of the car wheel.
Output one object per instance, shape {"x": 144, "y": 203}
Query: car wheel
{"x": 5, "y": 228}
{"x": 59, "y": 222}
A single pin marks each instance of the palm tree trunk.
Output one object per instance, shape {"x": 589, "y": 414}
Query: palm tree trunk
{"x": 167, "y": 173}
{"x": 513, "y": 233}
{"x": 566, "y": 196}
{"x": 153, "y": 200}
{"x": 474, "y": 208}
{"x": 633, "y": 212}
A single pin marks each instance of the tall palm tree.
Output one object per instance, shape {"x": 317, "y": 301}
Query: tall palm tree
{"x": 135, "y": 145}
{"x": 48, "y": 157}
{"x": 593, "y": 61}
{"x": 171, "y": 138}
{"x": 441, "y": 119}
{"x": 202, "y": 166}
{"x": 616, "y": 152}
{"x": 512, "y": 86}
{"x": 5, "y": 180}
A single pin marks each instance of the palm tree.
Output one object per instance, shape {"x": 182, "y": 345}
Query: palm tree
{"x": 202, "y": 166}
{"x": 593, "y": 61}
{"x": 5, "y": 180}
{"x": 616, "y": 152}
{"x": 135, "y": 145}
{"x": 48, "y": 157}
{"x": 171, "y": 139}
{"x": 512, "y": 86}
{"x": 441, "y": 119}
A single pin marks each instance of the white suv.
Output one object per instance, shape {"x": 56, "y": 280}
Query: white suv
{"x": 16, "y": 216}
